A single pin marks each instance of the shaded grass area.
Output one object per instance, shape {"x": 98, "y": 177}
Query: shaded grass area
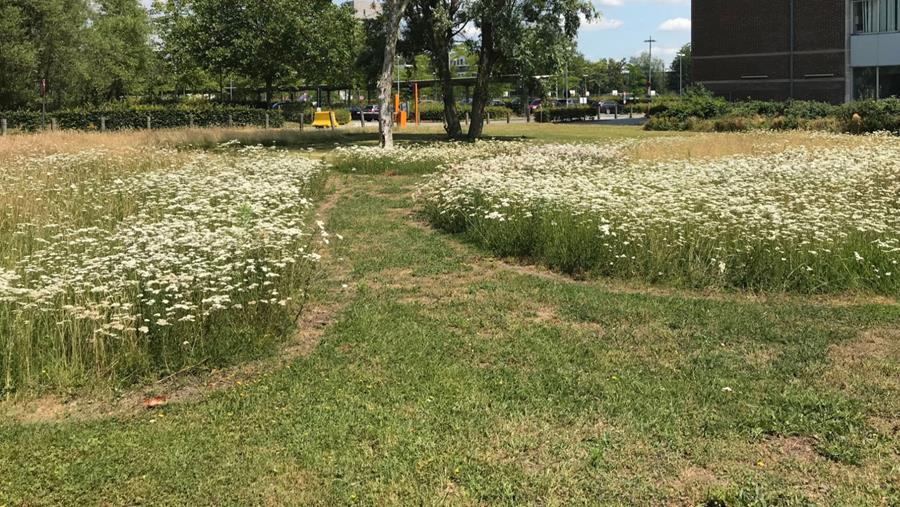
{"x": 450, "y": 378}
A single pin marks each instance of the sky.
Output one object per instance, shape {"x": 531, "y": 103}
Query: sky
{"x": 625, "y": 24}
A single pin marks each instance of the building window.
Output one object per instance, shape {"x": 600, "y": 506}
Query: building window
{"x": 873, "y": 16}
{"x": 865, "y": 83}
{"x": 889, "y": 82}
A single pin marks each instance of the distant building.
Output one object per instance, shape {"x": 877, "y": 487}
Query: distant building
{"x": 830, "y": 50}
{"x": 367, "y": 9}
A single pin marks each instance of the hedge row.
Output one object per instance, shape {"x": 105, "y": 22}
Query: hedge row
{"x": 555, "y": 114}
{"x": 435, "y": 112}
{"x": 706, "y": 113}
{"x": 136, "y": 118}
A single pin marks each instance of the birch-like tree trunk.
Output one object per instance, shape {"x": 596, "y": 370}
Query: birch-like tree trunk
{"x": 393, "y": 13}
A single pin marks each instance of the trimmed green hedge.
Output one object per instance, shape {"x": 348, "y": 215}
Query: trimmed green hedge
{"x": 136, "y": 118}
{"x": 707, "y": 113}
{"x": 435, "y": 112}
{"x": 555, "y": 114}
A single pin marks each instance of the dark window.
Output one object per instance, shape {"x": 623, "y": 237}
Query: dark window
{"x": 889, "y": 80}
{"x": 864, "y": 83}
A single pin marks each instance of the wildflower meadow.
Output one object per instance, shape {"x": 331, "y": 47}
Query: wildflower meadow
{"x": 129, "y": 265}
{"x": 804, "y": 220}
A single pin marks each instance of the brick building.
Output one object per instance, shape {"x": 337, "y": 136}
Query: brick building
{"x": 830, "y": 50}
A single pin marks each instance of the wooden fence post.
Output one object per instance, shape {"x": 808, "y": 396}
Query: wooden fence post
{"x": 53, "y": 124}
{"x": 507, "y": 117}
{"x": 267, "y": 120}
{"x": 362, "y": 119}
{"x": 230, "y": 121}
{"x": 467, "y": 117}
{"x": 103, "y": 124}
{"x": 331, "y": 120}
{"x": 488, "y": 118}
{"x": 302, "y": 119}
{"x": 3, "y": 127}
{"x": 148, "y": 122}
{"x": 191, "y": 121}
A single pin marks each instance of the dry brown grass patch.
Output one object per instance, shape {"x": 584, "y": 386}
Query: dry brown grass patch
{"x": 872, "y": 358}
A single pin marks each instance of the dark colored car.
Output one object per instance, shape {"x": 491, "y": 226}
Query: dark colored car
{"x": 371, "y": 112}
{"x": 355, "y": 112}
{"x": 607, "y": 106}
{"x": 535, "y": 105}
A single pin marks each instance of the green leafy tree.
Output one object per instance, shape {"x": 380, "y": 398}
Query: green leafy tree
{"x": 17, "y": 59}
{"x": 644, "y": 66}
{"x": 511, "y": 30}
{"x": 433, "y": 26}
{"x": 682, "y": 70}
{"x": 117, "y": 51}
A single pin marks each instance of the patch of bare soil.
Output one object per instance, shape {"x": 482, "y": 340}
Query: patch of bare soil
{"x": 183, "y": 386}
{"x": 872, "y": 358}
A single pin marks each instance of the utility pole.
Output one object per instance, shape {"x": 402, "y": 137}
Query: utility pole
{"x": 650, "y": 74}
{"x": 680, "y": 74}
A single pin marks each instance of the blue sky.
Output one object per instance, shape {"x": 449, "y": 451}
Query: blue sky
{"x": 624, "y": 24}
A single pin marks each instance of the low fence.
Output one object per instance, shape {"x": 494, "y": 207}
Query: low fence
{"x": 139, "y": 118}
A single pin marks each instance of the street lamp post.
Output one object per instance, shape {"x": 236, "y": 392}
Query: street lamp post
{"x": 680, "y": 73}
{"x": 650, "y": 74}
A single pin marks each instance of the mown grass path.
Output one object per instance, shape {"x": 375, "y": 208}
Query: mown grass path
{"x": 446, "y": 377}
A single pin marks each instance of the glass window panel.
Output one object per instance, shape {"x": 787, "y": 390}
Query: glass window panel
{"x": 864, "y": 82}
{"x": 889, "y": 82}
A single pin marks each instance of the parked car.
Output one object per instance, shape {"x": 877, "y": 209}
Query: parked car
{"x": 535, "y": 105}
{"x": 355, "y": 112}
{"x": 607, "y": 106}
{"x": 371, "y": 112}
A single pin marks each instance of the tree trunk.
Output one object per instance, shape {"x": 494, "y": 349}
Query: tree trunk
{"x": 481, "y": 93}
{"x": 269, "y": 90}
{"x": 442, "y": 64}
{"x": 393, "y": 11}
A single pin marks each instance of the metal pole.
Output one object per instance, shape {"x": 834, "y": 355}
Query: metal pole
{"x": 650, "y": 74}
{"x": 680, "y": 74}
{"x": 792, "y": 49}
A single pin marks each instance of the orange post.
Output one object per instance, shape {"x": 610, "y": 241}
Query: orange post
{"x": 416, "y": 90}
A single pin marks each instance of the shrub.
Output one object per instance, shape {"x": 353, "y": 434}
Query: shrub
{"x": 704, "y": 113}
{"x": 435, "y": 112}
{"x": 135, "y": 117}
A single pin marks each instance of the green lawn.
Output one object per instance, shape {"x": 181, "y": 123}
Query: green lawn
{"x": 446, "y": 377}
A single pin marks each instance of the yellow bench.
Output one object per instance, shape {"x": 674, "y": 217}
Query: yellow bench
{"x": 324, "y": 120}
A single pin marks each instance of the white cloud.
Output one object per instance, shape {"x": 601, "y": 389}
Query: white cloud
{"x": 675, "y": 25}
{"x": 601, "y": 24}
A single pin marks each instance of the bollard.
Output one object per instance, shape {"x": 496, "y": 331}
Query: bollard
{"x": 488, "y": 118}
{"x": 302, "y": 119}
{"x": 230, "y": 121}
{"x": 267, "y": 120}
{"x": 103, "y": 124}
{"x": 616, "y": 112}
{"x": 148, "y": 122}
{"x": 507, "y": 117}
{"x": 598, "y": 113}
{"x": 362, "y": 119}
{"x": 190, "y": 121}
{"x": 3, "y": 127}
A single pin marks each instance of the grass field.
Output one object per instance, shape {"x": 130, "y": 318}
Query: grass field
{"x": 426, "y": 371}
